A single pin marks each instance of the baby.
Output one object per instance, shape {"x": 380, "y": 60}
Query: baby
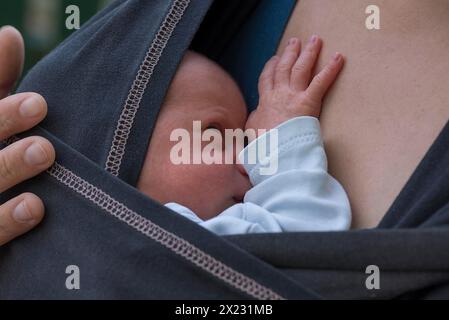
{"x": 237, "y": 198}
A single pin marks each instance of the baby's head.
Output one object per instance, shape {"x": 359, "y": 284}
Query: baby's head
{"x": 200, "y": 91}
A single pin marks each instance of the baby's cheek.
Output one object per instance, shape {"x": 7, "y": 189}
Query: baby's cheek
{"x": 206, "y": 189}
{"x": 215, "y": 183}
{"x": 213, "y": 180}
{"x": 206, "y": 176}
{"x": 221, "y": 180}
{"x": 194, "y": 179}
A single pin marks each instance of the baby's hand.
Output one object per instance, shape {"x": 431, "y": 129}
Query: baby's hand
{"x": 286, "y": 89}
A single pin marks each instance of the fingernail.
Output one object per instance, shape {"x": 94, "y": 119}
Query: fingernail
{"x": 31, "y": 107}
{"x": 21, "y": 213}
{"x": 3, "y": 28}
{"x": 337, "y": 56}
{"x": 313, "y": 39}
{"x": 35, "y": 155}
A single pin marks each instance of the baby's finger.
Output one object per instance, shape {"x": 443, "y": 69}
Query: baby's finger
{"x": 266, "y": 79}
{"x": 288, "y": 59}
{"x": 323, "y": 80}
{"x": 302, "y": 70}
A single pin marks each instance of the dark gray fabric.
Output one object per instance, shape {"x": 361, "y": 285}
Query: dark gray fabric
{"x": 86, "y": 81}
{"x": 92, "y": 217}
{"x": 242, "y": 36}
{"x": 410, "y": 246}
{"x": 334, "y": 264}
{"x": 115, "y": 260}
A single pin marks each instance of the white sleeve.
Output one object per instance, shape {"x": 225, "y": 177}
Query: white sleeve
{"x": 297, "y": 194}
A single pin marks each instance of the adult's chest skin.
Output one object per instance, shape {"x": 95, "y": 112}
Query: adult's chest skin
{"x": 392, "y": 98}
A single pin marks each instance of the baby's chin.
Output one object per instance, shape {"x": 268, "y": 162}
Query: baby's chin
{"x": 213, "y": 211}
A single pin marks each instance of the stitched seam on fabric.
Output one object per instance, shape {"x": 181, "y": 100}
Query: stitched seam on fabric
{"x": 304, "y": 137}
{"x": 135, "y": 95}
{"x": 286, "y": 146}
{"x": 169, "y": 240}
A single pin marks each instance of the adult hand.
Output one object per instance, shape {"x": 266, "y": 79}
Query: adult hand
{"x": 25, "y": 158}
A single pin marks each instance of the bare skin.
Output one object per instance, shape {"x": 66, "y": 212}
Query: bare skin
{"x": 202, "y": 91}
{"x": 390, "y": 102}
{"x": 287, "y": 88}
{"x": 27, "y": 157}
{"x": 375, "y": 134}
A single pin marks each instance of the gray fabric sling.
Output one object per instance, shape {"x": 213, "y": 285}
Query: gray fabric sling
{"x": 104, "y": 86}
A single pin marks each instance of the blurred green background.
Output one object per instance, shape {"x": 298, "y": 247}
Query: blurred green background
{"x": 43, "y": 22}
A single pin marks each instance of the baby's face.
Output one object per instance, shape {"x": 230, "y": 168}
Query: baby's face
{"x": 200, "y": 91}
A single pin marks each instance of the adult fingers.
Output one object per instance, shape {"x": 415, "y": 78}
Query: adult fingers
{"x": 23, "y": 160}
{"x": 21, "y": 112}
{"x": 11, "y": 58}
{"x": 19, "y": 215}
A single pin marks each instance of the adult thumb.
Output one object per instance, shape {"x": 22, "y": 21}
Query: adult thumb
{"x": 12, "y": 54}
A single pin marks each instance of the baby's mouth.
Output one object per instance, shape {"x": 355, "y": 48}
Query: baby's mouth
{"x": 238, "y": 198}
